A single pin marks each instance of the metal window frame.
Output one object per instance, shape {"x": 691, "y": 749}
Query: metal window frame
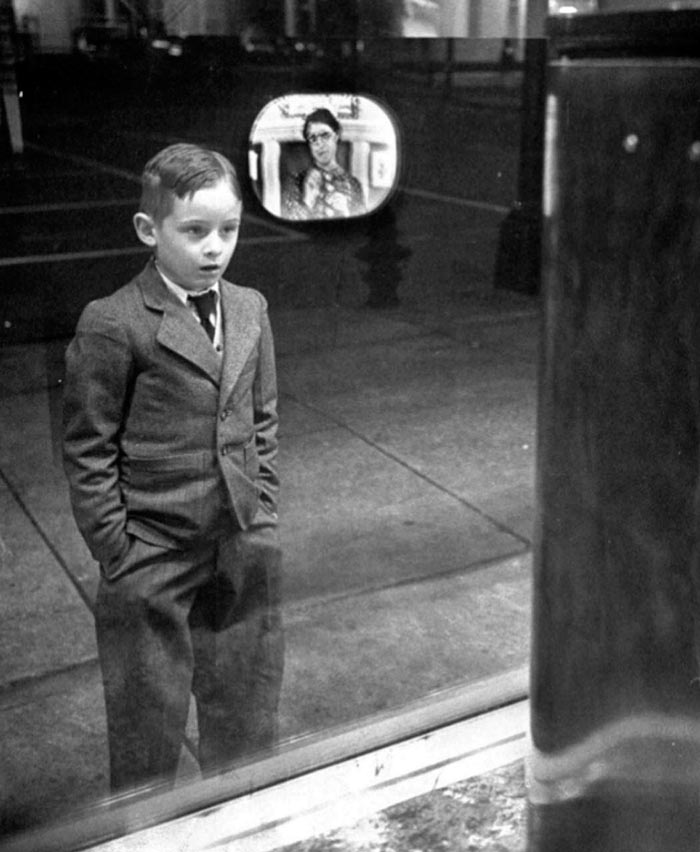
{"x": 393, "y": 756}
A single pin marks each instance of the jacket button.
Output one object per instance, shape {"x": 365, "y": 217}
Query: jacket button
{"x": 224, "y": 451}
{"x": 224, "y": 414}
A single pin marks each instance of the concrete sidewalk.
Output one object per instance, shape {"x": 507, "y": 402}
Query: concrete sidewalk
{"x": 421, "y": 454}
{"x": 407, "y": 451}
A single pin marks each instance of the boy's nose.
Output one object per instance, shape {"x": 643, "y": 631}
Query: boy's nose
{"x": 214, "y": 246}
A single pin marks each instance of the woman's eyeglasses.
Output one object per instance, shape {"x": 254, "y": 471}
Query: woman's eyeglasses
{"x": 313, "y": 138}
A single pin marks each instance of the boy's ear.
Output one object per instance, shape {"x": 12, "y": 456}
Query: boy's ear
{"x": 145, "y": 229}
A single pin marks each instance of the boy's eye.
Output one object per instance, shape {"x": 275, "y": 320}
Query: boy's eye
{"x": 195, "y": 230}
{"x": 231, "y": 229}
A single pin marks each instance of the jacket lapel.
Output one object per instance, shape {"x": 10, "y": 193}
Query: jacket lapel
{"x": 240, "y": 335}
{"x": 179, "y": 330}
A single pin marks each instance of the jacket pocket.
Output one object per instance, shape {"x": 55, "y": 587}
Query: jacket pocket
{"x": 172, "y": 495}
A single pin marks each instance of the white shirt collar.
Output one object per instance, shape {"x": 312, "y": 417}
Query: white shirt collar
{"x": 181, "y": 292}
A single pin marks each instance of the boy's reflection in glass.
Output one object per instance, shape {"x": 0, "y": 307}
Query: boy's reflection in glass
{"x": 325, "y": 190}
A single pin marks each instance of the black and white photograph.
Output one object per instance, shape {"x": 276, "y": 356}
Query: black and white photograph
{"x": 350, "y": 405}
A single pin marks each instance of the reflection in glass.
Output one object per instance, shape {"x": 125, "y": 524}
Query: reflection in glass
{"x": 325, "y": 190}
{"x": 572, "y": 7}
{"x": 407, "y": 446}
{"x": 577, "y": 7}
{"x": 170, "y": 445}
{"x": 316, "y": 157}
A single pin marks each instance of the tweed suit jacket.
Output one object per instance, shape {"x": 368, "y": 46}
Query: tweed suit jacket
{"x": 164, "y": 439}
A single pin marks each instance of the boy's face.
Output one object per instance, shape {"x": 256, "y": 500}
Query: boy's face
{"x": 196, "y": 240}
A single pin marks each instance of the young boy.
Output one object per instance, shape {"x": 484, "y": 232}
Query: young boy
{"x": 170, "y": 451}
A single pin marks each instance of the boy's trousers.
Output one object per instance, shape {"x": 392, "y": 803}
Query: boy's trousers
{"x": 206, "y": 622}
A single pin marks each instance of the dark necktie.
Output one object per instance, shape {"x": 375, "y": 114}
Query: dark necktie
{"x": 205, "y": 303}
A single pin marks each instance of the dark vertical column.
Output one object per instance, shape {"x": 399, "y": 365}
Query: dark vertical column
{"x": 615, "y": 696}
{"x": 379, "y": 18}
{"x": 11, "y": 136}
{"x": 518, "y": 257}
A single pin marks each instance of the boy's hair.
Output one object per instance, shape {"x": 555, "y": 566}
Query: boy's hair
{"x": 181, "y": 170}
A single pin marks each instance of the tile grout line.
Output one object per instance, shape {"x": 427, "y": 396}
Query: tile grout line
{"x": 44, "y": 537}
{"x": 396, "y": 458}
{"x": 187, "y": 742}
{"x": 470, "y": 568}
{"x": 36, "y": 681}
